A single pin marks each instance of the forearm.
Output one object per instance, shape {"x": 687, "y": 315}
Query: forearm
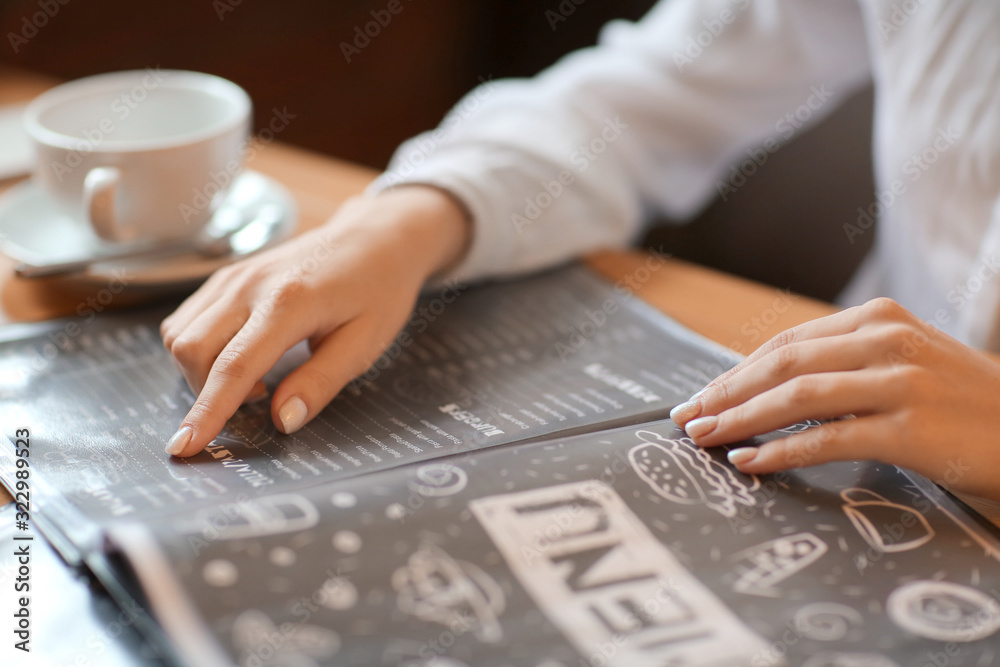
{"x": 429, "y": 227}
{"x": 574, "y": 159}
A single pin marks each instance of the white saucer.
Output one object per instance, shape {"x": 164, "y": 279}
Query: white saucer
{"x": 18, "y": 156}
{"x": 35, "y": 231}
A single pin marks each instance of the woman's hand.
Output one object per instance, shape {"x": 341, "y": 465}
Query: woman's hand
{"x": 348, "y": 287}
{"x": 912, "y": 395}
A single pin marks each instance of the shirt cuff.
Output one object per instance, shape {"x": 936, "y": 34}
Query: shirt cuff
{"x": 492, "y": 244}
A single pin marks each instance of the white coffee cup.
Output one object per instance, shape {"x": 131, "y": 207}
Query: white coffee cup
{"x": 143, "y": 155}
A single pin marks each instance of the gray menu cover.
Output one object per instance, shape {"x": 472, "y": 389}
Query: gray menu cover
{"x": 393, "y": 531}
{"x": 621, "y": 548}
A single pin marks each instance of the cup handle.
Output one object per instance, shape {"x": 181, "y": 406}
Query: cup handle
{"x": 99, "y": 193}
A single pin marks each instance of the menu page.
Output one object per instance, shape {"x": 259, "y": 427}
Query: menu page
{"x": 476, "y": 367}
{"x": 621, "y": 548}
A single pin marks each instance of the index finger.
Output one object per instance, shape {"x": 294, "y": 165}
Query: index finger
{"x": 241, "y": 363}
{"x": 840, "y": 323}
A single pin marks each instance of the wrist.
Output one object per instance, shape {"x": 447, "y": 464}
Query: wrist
{"x": 433, "y": 224}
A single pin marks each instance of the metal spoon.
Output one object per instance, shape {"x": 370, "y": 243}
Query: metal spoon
{"x": 215, "y": 240}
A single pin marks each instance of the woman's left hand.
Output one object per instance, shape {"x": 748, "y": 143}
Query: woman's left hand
{"x": 912, "y": 396}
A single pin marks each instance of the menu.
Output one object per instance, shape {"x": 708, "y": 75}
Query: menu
{"x": 502, "y": 487}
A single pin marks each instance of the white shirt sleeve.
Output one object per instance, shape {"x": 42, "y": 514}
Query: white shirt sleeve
{"x": 648, "y": 120}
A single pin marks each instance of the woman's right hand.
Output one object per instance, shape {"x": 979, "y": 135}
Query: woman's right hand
{"x": 347, "y": 287}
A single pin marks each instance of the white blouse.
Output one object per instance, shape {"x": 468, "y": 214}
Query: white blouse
{"x": 654, "y": 118}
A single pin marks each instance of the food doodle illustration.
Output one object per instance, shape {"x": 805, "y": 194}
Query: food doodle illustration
{"x": 435, "y": 587}
{"x": 257, "y": 517}
{"x": 337, "y": 593}
{"x": 220, "y": 573}
{"x": 886, "y": 526}
{"x": 683, "y": 473}
{"x": 828, "y": 621}
{"x": 439, "y": 479}
{"x": 308, "y": 646}
{"x": 801, "y": 426}
{"x": 944, "y": 611}
{"x": 767, "y": 564}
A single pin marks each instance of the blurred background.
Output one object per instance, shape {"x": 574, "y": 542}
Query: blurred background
{"x": 784, "y": 227}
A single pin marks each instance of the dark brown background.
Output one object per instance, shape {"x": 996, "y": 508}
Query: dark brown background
{"x": 783, "y": 227}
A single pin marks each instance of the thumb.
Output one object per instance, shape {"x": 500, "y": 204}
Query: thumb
{"x": 338, "y": 358}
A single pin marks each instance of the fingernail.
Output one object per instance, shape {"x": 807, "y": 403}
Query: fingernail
{"x": 178, "y": 441}
{"x": 742, "y": 455}
{"x": 702, "y": 426}
{"x": 685, "y": 412}
{"x": 700, "y": 393}
{"x": 292, "y": 414}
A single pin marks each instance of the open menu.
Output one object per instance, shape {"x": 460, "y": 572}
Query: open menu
{"x": 501, "y": 488}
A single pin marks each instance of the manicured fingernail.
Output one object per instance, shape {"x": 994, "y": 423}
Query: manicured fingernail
{"x": 742, "y": 455}
{"x": 178, "y": 441}
{"x": 697, "y": 428}
{"x": 292, "y": 414}
{"x": 699, "y": 393}
{"x": 685, "y": 412}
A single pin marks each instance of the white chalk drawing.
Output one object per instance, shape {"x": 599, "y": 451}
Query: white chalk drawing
{"x": 308, "y": 646}
{"x": 220, "y": 573}
{"x": 827, "y": 621}
{"x": 603, "y": 579}
{"x": 396, "y": 512}
{"x": 965, "y": 522}
{"x": 439, "y": 479}
{"x": 801, "y": 426}
{"x": 435, "y": 587}
{"x": 346, "y": 541}
{"x": 257, "y": 517}
{"x": 763, "y": 566}
{"x": 343, "y": 500}
{"x": 338, "y": 593}
{"x": 944, "y": 611}
{"x": 438, "y": 661}
{"x": 282, "y": 556}
{"x": 886, "y": 526}
{"x": 684, "y": 473}
{"x": 420, "y": 389}
{"x": 849, "y": 660}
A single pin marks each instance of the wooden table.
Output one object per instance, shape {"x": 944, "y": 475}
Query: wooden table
{"x": 732, "y": 311}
